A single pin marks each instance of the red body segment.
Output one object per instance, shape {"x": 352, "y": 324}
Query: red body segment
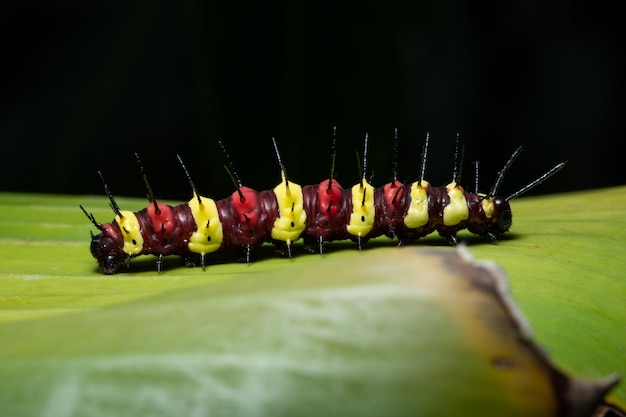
{"x": 328, "y": 212}
{"x": 329, "y": 194}
{"x": 247, "y": 222}
{"x": 391, "y": 207}
{"x": 161, "y": 217}
{"x": 166, "y": 233}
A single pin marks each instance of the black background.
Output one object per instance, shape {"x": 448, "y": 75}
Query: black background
{"x": 85, "y": 88}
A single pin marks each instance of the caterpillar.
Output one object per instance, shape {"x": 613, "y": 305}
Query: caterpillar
{"x": 317, "y": 214}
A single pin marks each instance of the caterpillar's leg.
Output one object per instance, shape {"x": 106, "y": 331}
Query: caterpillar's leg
{"x": 283, "y": 248}
{"x": 190, "y": 260}
{"x": 159, "y": 263}
{"x": 492, "y": 236}
{"x": 314, "y": 246}
{"x": 108, "y": 265}
{"x": 452, "y": 239}
{"x": 246, "y": 256}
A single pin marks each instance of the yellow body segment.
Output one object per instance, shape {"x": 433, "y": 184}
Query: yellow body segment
{"x": 129, "y": 225}
{"x": 417, "y": 214}
{"x": 488, "y": 206}
{"x": 363, "y": 209}
{"x": 209, "y": 234}
{"x": 291, "y": 220}
{"x": 456, "y": 211}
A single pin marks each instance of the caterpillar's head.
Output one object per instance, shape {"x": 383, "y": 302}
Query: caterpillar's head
{"x": 503, "y": 216}
{"x": 502, "y": 210}
{"x": 107, "y": 246}
{"x": 491, "y": 216}
{"x": 107, "y": 250}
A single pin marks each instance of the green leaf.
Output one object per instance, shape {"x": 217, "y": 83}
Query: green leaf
{"x": 313, "y": 318}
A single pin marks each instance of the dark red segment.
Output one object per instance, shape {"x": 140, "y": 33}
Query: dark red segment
{"x": 327, "y": 211}
{"x": 168, "y": 231}
{"x": 391, "y": 207}
{"x": 107, "y": 248}
{"x": 247, "y": 221}
{"x": 112, "y": 231}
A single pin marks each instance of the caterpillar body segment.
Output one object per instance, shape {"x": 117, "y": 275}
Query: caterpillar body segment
{"x": 327, "y": 214}
{"x": 317, "y": 214}
{"x": 389, "y": 215}
{"x": 128, "y": 224}
{"x": 247, "y": 221}
{"x": 417, "y": 213}
{"x": 363, "y": 213}
{"x": 208, "y": 234}
{"x": 291, "y": 220}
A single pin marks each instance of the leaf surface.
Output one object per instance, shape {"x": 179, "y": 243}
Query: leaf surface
{"x": 336, "y": 319}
